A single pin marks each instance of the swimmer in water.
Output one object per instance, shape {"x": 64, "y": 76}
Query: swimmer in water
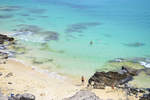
{"x": 91, "y": 42}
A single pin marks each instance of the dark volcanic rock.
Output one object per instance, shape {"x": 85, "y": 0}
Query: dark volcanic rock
{"x": 123, "y": 81}
{"x": 4, "y": 38}
{"x": 83, "y": 95}
{"x": 25, "y": 96}
{"x": 120, "y": 80}
{"x": 101, "y": 79}
{"x": 5, "y": 42}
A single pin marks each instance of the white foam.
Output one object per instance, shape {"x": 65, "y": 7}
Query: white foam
{"x": 118, "y": 60}
{"x": 143, "y": 63}
{"x": 32, "y": 39}
{"x": 147, "y": 65}
{"x": 21, "y": 33}
{"x": 26, "y": 36}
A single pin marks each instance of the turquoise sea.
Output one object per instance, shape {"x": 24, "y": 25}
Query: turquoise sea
{"x": 77, "y": 37}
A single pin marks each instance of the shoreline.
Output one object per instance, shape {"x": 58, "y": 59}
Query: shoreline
{"x": 25, "y": 79}
{"x": 50, "y": 74}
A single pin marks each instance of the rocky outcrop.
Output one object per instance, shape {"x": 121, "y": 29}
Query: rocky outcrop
{"x": 120, "y": 79}
{"x": 4, "y": 38}
{"x": 25, "y": 96}
{"x": 101, "y": 79}
{"x": 83, "y": 95}
{"x": 131, "y": 90}
{"x": 5, "y": 44}
{"x": 145, "y": 97}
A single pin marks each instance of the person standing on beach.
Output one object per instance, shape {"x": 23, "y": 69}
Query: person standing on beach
{"x": 82, "y": 80}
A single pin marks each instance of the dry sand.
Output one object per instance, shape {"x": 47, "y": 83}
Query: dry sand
{"x": 25, "y": 79}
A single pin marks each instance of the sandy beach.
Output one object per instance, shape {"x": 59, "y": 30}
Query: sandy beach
{"x": 20, "y": 78}
{"x": 26, "y": 79}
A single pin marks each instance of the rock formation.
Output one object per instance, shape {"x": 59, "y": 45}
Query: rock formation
{"x": 25, "y": 96}
{"x": 83, "y": 95}
{"x": 101, "y": 79}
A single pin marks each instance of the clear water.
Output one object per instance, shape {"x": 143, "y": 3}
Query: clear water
{"x": 90, "y": 32}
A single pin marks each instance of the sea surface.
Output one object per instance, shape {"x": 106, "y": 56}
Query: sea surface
{"x": 77, "y": 37}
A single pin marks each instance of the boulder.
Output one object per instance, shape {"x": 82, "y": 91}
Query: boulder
{"x": 25, "y": 96}
{"x": 83, "y": 95}
{"x": 101, "y": 79}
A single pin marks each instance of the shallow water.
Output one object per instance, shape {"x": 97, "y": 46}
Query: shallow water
{"x": 78, "y": 36}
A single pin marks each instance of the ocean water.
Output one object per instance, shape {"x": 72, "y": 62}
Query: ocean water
{"x": 77, "y": 37}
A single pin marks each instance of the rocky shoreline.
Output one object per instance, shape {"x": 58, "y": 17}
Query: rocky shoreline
{"x": 120, "y": 80}
{"x": 5, "y": 43}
